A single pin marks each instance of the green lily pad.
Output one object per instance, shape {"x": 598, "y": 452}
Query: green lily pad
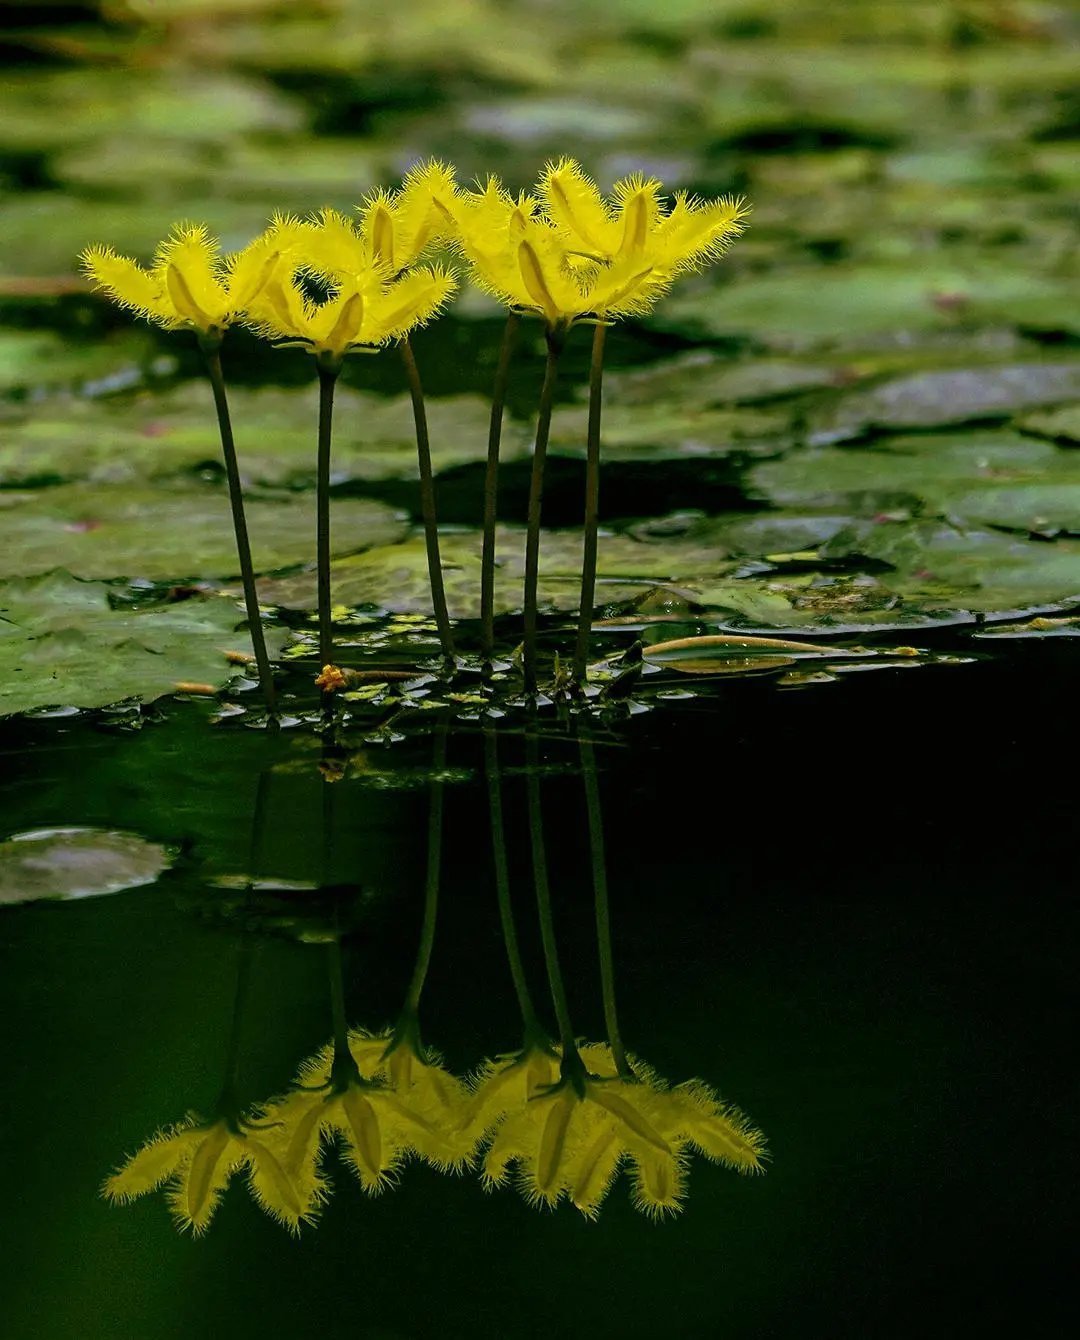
{"x": 63, "y": 645}
{"x": 841, "y": 306}
{"x": 395, "y": 577}
{"x": 931, "y": 469}
{"x": 701, "y": 378}
{"x": 76, "y": 863}
{"x": 668, "y": 430}
{"x": 168, "y": 433}
{"x": 121, "y": 531}
{"x": 33, "y": 359}
{"x": 1059, "y": 425}
{"x": 937, "y": 399}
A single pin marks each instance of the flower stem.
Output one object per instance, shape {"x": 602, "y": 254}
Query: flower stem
{"x": 491, "y": 487}
{"x": 592, "y": 505}
{"x": 328, "y": 375}
{"x": 431, "y": 882}
{"x": 543, "y": 898}
{"x": 427, "y": 503}
{"x": 502, "y": 883}
{"x": 243, "y": 545}
{"x": 600, "y": 902}
{"x": 556, "y": 340}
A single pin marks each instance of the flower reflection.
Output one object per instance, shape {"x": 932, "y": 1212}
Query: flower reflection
{"x": 568, "y": 1138}
{"x": 198, "y": 1160}
{"x": 380, "y": 1126}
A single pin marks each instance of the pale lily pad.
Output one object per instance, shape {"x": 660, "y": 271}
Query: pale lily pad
{"x": 937, "y": 399}
{"x": 121, "y": 531}
{"x": 668, "y": 430}
{"x": 701, "y": 378}
{"x": 58, "y": 863}
{"x": 62, "y": 644}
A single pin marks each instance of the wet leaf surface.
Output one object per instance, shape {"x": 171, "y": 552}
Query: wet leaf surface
{"x": 62, "y": 643}
{"x": 121, "y": 531}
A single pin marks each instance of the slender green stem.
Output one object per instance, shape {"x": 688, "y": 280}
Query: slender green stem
{"x": 228, "y": 1102}
{"x": 431, "y": 882}
{"x": 427, "y": 503}
{"x": 337, "y": 999}
{"x": 543, "y": 899}
{"x": 243, "y": 545}
{"x": 491, "y": 486}
{"x": 592, "y": 505}
{"x": 328, "y": 375}
{"x": 602, "y": 907}
{"x": 502, "y": 883}
{"x": 556, "y": 340}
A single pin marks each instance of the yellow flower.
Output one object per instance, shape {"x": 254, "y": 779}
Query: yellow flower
{"x": 636, "y": 224}
{"x": 525, "y": 261}
{"x": 379, "y": 1126}
{"x": 190, "y": 282}
{"x": 395, "y": 229}
{"x": 199, "y": 1159}
{"x": 360, "y": 313}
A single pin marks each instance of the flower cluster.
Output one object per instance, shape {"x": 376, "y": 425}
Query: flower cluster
{"x": 333, "y": 285}
{"x": 562, "y": 1127}
{"x": 563, "y": 252}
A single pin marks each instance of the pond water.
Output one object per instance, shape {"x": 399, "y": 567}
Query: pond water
{"x": 845, "y": 908}
{"x": 822, "y": 865}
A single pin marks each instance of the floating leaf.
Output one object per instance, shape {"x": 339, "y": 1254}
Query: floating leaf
{"x": 62, "y": 644}
{"x": 76, "y": 863}
{"x": 132, "y": 532}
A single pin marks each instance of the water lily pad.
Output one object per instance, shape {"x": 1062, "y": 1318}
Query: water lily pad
{"x": 76, "y": 863}
{"x": 666, "y": 430}
{"x": 167, "y": 433}
{"x": 702, "y": 378}
{"x": 63, "y": 644}
{"x": 34, "y": 359}
{"x": 121, "y": 531}
{"x": 937, "y": 399}
{"x": 1059, "y": 425}
{"x": 840, "y": 306}
{"x": 933, "y": 469}
{"x": 395, "y": 577}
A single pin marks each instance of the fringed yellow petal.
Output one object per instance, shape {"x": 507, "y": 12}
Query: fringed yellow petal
{"x": 184, "y": 300}
{"x": 193, "y": 255}
{"x": 659, "y": 1185}
{"x": 595, "y": 1172}
{"x": 272, "y": 1187}
{"x": 572, "y": 201}
{"x": 535, "y": 281}
{"x": 204, "y": 1179}
{"x": 408, "y": 303}
{"x": 626, "y": 1112}
{"x": 698, "y": 232}
{"x": 366, "y": 1139}
{"x": 128, "y": 284}
{"x": 331, "y": 246}
{"x": 382, "y": 235}
{"x": 346, "y": 327}
{"x": 553, "y": 1142}
{"x": 154, "y": 1164}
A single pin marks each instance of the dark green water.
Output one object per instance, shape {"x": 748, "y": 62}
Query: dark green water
{"x": 846, "y": 908}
